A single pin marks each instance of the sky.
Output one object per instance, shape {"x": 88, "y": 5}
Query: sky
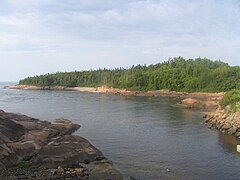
{"x": 45, "y": 36}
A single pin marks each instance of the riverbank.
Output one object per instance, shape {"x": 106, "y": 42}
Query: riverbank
{"x": 55, "y": 88}
{"x": 204, "y": 101}
{"x": 209, "y": 103}
{"x": 224, "y": 120}
{"x": 35, "y": 149}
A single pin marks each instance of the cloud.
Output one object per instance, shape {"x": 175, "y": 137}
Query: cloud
{"x": 116, "y": 33}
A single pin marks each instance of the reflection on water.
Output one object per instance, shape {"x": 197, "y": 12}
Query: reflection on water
{"x": 146, "y": 137}
{"x": 228, "y": 142}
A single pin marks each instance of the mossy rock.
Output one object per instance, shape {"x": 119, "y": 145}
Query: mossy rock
{"x": 24, "y": 164}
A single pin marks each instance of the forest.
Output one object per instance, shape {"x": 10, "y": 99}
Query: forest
{"x": 175, "y": 74}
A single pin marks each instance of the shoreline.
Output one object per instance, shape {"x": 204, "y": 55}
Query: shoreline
{"x": 54, "y": 88}
{"x": 208, "y": 103}
{"x": 34, "y": 149}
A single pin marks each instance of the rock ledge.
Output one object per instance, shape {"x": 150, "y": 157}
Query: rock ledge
{"x": 35, "y": 149}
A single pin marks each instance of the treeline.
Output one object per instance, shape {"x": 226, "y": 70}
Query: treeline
{"x": 177, "y": 74}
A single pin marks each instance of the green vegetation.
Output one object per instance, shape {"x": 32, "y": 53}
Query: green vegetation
{"x": 232, "y": 99}
{"x": 176, "y": 74}
{"x": 24, "y": 164}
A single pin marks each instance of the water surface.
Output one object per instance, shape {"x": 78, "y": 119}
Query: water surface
{"x": 146, "y": 137}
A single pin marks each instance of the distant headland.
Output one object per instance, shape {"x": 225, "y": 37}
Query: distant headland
{"x": 212, "y": 86}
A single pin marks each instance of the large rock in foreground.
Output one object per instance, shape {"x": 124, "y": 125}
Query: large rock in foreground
{"x": 46, "y": 150}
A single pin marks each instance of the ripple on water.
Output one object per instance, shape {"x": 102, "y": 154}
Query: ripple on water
{"x": 146, "y": 137}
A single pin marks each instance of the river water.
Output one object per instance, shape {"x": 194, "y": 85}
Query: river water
{"x": 145, "y": 137}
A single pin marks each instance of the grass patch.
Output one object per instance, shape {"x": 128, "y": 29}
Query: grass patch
{"x": 24, "y": 164}
{"x": 232, "y": 99}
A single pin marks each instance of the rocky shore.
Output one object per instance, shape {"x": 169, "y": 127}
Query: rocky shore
{"x": 35, "y": 149}
{"x": 216, "y": 117}
{"x": 224, "y": 120}
{"x": 209, "y": 103}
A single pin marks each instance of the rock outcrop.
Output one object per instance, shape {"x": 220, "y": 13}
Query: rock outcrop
{"x": 202, "y": 101}
{"x": 224, "y": 120}
{"x": 45, "y": 147}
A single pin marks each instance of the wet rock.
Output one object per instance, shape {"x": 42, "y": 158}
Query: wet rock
{"x": 132, "y": 178}
{"x": 232, "y": 130}
{"x": 104, "y": 170}
{"x": 226, "y": 126}
{"x": 237, "y": 134}
{"x": 209, "y": 125}
{"x": 219, "y": 125}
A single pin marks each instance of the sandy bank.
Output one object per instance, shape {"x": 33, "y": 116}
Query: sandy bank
{"x": 55, "y": 88}
{"x": 204, "y": 101}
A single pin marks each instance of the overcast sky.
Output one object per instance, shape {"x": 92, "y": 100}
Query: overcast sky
{"x": 41, "y": 36}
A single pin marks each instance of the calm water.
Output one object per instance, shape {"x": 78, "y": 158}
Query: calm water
{"x": 7, "y": 83}
{"x": 148, "y": 138}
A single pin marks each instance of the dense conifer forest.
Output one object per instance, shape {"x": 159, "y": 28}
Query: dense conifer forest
{"x": 176, "y": 74}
